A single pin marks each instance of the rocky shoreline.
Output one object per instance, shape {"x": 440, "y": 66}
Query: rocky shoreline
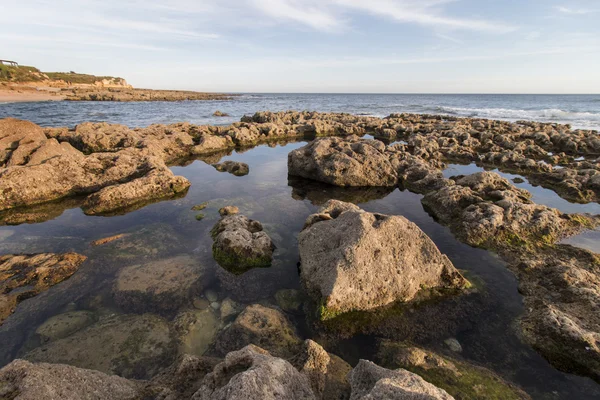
{"x": 111, "y": 169}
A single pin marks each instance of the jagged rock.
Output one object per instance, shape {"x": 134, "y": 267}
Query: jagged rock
{"x": 262, "y": 326}
{"x": 24, "y": 276}
{"x": 22, "y": 380}
{"x": 355, "y": 260}
{"x": 183, "y": 378}
{"x": 343, "y": 162}
{"x": 132, "y": 346}
{"x": 241, "y": 244}
{"x": 252, "y": 373}
{"x": 371, "y": 382}
{"x": 233, "y": 167}
{"x": 158, "y": 286}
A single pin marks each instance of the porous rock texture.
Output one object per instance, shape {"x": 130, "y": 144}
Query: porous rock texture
{"x": 355, "y": 260}
{"x": 26, "y": 275}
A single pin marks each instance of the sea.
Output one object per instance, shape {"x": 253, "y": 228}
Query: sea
{"x": 580, "y": 111}
{"x": 485, "y": 322}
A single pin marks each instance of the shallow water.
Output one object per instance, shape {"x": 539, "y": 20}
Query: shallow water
{"x": 484, "y": 322}
{"x": 581, "y": 111}
{"x": 539, "y": 194}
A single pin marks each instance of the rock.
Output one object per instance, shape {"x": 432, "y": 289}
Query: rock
{"x": 459, "y": 378}
{"x": 220, "y": 114}
{"x": 200, "y": 207}
{"x": 289, "y": 300}
{"x": 229, "y": 308}
{"x": 62, "y": 325}
{"x": 261, "y": 326}
{"x": 233, "y": 167}
{"x": 24, "y": 276}
{"x": 518, "y": 180}
{"x": 343, "y": 162}
{"x": 241, "y": 244}
{"x": 453, "y": 345}
{"x": 327, "y": 373}
{"x": 369, "y": 381}
{"x": 197, "y": 331}
{"x": 183, "y": 378}
{"x": 229, "y": 210}
{"x": 22, "y": 380}
{"x": 211, "y": 295}
{"x": 355, "y": 260}
{"x": 132, "y": 346}
{"x": 158, "y": 286}
{"x": 109, "y": 239}
{"x": 201, "y": 304}
{"x": 252, "y": 373}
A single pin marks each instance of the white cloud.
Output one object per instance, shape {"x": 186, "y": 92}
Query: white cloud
{"x": 310, "y": 13}
{"x": 575, "y": 11}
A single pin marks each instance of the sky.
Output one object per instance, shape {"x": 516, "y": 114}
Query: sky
{"x": 322, "y": 46}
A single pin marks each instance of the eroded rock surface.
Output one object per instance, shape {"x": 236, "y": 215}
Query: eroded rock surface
{"x": 233, "y": 167}
{"x": 24, "y": 276}
{"x": 355, "y": 260}
{"x": 241, "y": 244}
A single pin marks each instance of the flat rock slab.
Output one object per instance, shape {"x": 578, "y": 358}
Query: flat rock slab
{"x": 355, "y": 260}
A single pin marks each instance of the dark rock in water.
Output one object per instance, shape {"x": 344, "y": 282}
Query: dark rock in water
{"x": 161, "y": 286}
{"x": 344, "y": 162}
{"x": 24, "y": 276}
{"x": 369, "y": 382}
{"x": 233, "y": 167}
{"x": 518, "y": 180}
{"x": 241, "y": 244}
{"x": 26, "y": 381}
{"x": 459, "y": 378}
{"x": 342, "y": 244}
{"x": 132, "y": 346}
{"x": 220, "y": 114}
{"x": 253, "y": 374}
{"x": 263, "y": 326}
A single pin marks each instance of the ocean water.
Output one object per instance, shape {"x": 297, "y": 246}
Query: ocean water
{"x": 484, "y": 321}
{"x": 581, "y": 111}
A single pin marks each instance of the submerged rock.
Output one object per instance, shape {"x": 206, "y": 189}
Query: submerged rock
{"x": 24, "y": 276}
{"x": 371, "y": 382}
{"x": 241, "y": 244}
{"x": 62, "y": 325}
{"x": 197, "y": 331}
{"x": 158, "y": 286}
{"x": 233, "y": 167}
{"x": 132, "y": 346}
{"x": 262, "y": 326}
{"x": 253, "y": 374}
{"x": 355, "y": 260}
{"x": 343, "y": 162}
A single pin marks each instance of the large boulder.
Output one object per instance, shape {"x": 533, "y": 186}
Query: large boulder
{"x": 24, "y": 276}
{"x": 22, "y": 380}
{"x": 262, "y": 326}
{"x": 241, "y": 244}
{"x": 344, "y": 162}
{"x": 356, "y": 260}
{"x": 158, "y": 286}
{"x": 371, "y": 382}
{"x": 252, "y": 373}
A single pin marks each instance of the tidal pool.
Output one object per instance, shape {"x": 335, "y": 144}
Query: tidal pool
{"x": 98, "y": 330}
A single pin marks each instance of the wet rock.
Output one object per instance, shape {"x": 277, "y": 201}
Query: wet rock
{"x": 24, "y": 276}
{"x": 327, "y": 373}
{"x": 369, "y": 381}
{"x": 229, "y": 210}
{"x": 23, "y": 380}
{"x": 252, "y": 373}
{"x": 109, "y": 239}
{"x": 289, "y": 300}
{"x": 200, "y": 207}
{"x": 182, "y": 379}
{"x": 158, "y": 286}
{"x": 343, "y": 162}
{"x": 62, "y": 325}
{"x": 220, "y": 114}
{"x": 196, "y": 330}
{"x": 228, "y": 309}
{"x": 132, "y": 346}
{"x": 355, "y": 260}
{"x": 241, "y": 244}
{"x": 459, "y": 378}
{"x": 262, "y": 326}
{"x": 233, "y": 167}
{"x": 319, "y": 193}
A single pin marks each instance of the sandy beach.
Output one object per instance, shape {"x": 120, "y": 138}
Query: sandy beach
{"x": 11, "y": 94}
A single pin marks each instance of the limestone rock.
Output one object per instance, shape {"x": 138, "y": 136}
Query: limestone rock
{"x": 241, "y": 244}
{"x": 62, "y": 325}
{"x": 343, "y": 162}
{"x": 233, "y": 167}
{"x": 161, "y": 285}
{"x": 355, "y": 260}
{"x": 253, "y": 374}
{"x": 197, "y": 330}
{"x": 24, "y": 276}
{"x": 265, "y": 327}
{"x": 371, "y": 382}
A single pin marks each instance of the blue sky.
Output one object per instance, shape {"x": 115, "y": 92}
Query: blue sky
{"x": 373, "y": 46}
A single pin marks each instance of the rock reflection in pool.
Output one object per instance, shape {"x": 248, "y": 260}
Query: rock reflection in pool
{"x": 482, "y": 322}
